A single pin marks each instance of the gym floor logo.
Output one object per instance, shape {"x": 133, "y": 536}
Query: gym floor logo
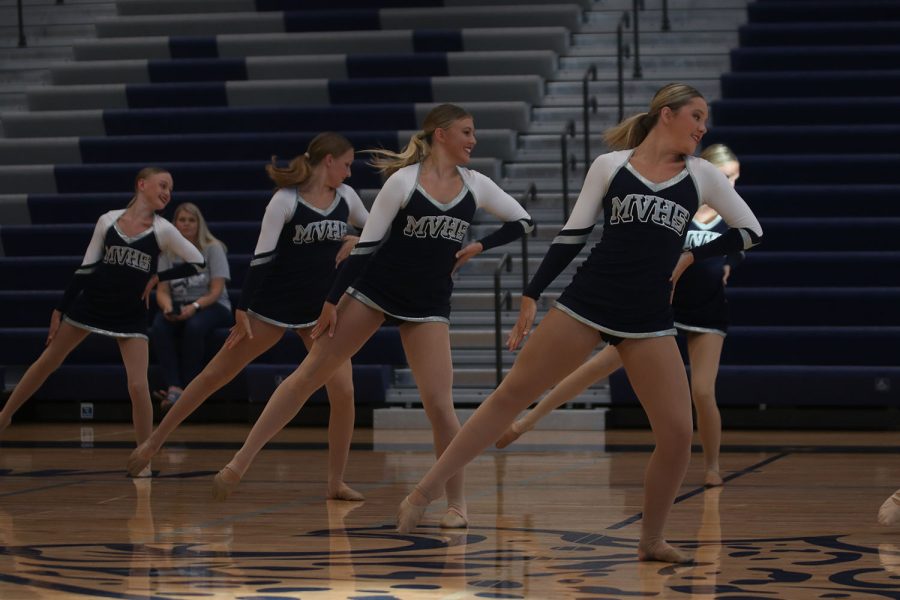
{"x": 376, "y": 563}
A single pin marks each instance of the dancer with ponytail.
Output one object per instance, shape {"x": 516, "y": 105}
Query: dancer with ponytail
{"x": 109, "y": 295}
{"x": 302, "y": 240}
{"x": 401, "y": 270}
{"x": 647, "y": 188}
{"x": 700, "y": 312}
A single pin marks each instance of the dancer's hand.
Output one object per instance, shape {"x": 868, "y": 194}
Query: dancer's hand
{"x": 55, "y": 320}
{"x": 527, "y": 313}
{"x": 240, "y": 330}
{"x": 349, "y": 243}
{"x": 149, "y": 288}
{"x": 726, "y": 273}
{"x": 684, "y": 261}
{"x": 463, "y": 256}
{"x": 327, "y": 321}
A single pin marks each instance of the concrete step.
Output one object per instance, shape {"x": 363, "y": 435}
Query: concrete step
{"x": 650, "y": 21}
{"x": 568, "y": 93}
{"x": 669, "y": 43}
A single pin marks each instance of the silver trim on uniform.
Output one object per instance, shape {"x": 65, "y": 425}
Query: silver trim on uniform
{"x": 262, "y": 260}
{"x": 696, "y": 329}
{"x": 748, "y": 241}
{"x": 280, "y": 323}
{"x": 621, "y": 334}
{"x": 105, "y": 332}
{"x": 656, "y": 186}
{"x": 325, "y": 212}
{"x": 131, "y": 239}
{"x": 572, "y": 239}
{"x": 372, "y": 304}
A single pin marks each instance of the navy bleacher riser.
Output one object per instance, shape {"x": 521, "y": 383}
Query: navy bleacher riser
{"x": 820, "y": 34}
{"x": 152, "y": 7}
{"x": 298, "y": 92}
{"x": 819, "y": 169}
{"x": 793, "y": 84}
{"x": 853, "y": 387}
{"x": 149, "y": 149}
{"x": 805, "y": 111}
{"x": 399, "y": 41}
{"x": 816, "y": 58}
{"x": 181, "y": 121}
{"x": 199, "y": 176}
{"x": 805, "y": 139}
{"x": 328, "y": 66}
{"x": 564, "y": 15}
{"x": 826, "y": 10}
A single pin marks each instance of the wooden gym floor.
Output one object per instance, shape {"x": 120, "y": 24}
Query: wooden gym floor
{"x": 556, "y": 515}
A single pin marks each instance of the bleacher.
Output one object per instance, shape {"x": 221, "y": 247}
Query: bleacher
{"x": 210, "y": 91}
{"x": 810, "y": 108}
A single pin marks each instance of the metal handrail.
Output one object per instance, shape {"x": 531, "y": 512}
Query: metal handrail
{"x": 622, "y": 52}
{"x": 638, "y": 72}
{"x": 592, "y": 74}
{"x": 505, "y": 261}
{"x": 567, "y": 165}
{"x": 530, "y": 196}
{"x": 22, "y": 42}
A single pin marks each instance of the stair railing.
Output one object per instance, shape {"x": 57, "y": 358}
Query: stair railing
{"x": 499, "y": 298}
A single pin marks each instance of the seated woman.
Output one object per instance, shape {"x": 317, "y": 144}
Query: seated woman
{"x": 189, "y": 308}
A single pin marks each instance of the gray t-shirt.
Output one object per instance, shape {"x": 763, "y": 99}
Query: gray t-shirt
{"x": 188, "y": 289}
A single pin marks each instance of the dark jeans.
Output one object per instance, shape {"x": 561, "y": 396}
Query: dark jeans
{"x": 180, "y": 346}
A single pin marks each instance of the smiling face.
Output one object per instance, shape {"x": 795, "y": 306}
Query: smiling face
{"x": 458, "y": 140}
{"x": 686, "y": 126}
{"x": 156, "y": 190}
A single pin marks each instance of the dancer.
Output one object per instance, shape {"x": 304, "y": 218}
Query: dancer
{"x": 701, "y": 313}
{"x": 648, "y": 188}
{"x": 189, "y": 308}
{"x": 302, "y": 240}
{"x": 109, "y": 294}
{"x": 401, "y": 269}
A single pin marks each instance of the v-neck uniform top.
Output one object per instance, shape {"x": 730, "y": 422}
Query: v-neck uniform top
{"x": 623, "y": 288}
{"x": 120, "y": 267}
{"x": 298, "y": 243}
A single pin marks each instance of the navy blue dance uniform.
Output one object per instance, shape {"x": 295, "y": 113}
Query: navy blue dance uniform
{"x": 622, "y": 289}
{"x": 293, "y": 265}
{"x": 105, "y": 294}
{"x": 699, "y": 303}
{"x": 403, "y": 263}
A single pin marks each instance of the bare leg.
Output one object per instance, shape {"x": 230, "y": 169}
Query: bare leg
{"x": 557, "y": 345}
{"x": 136, "y": 357}
{"x": 597, "y": 367}
{"x": 658, "y": 377}
{"x": 356, "y": 324}
{"x": 427, "y": 348}
{"x": 227, "y": 363}
{"x": 66, "y": 339}
{"x": 704, "y": 350}
{"x": 340, "y": 427}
